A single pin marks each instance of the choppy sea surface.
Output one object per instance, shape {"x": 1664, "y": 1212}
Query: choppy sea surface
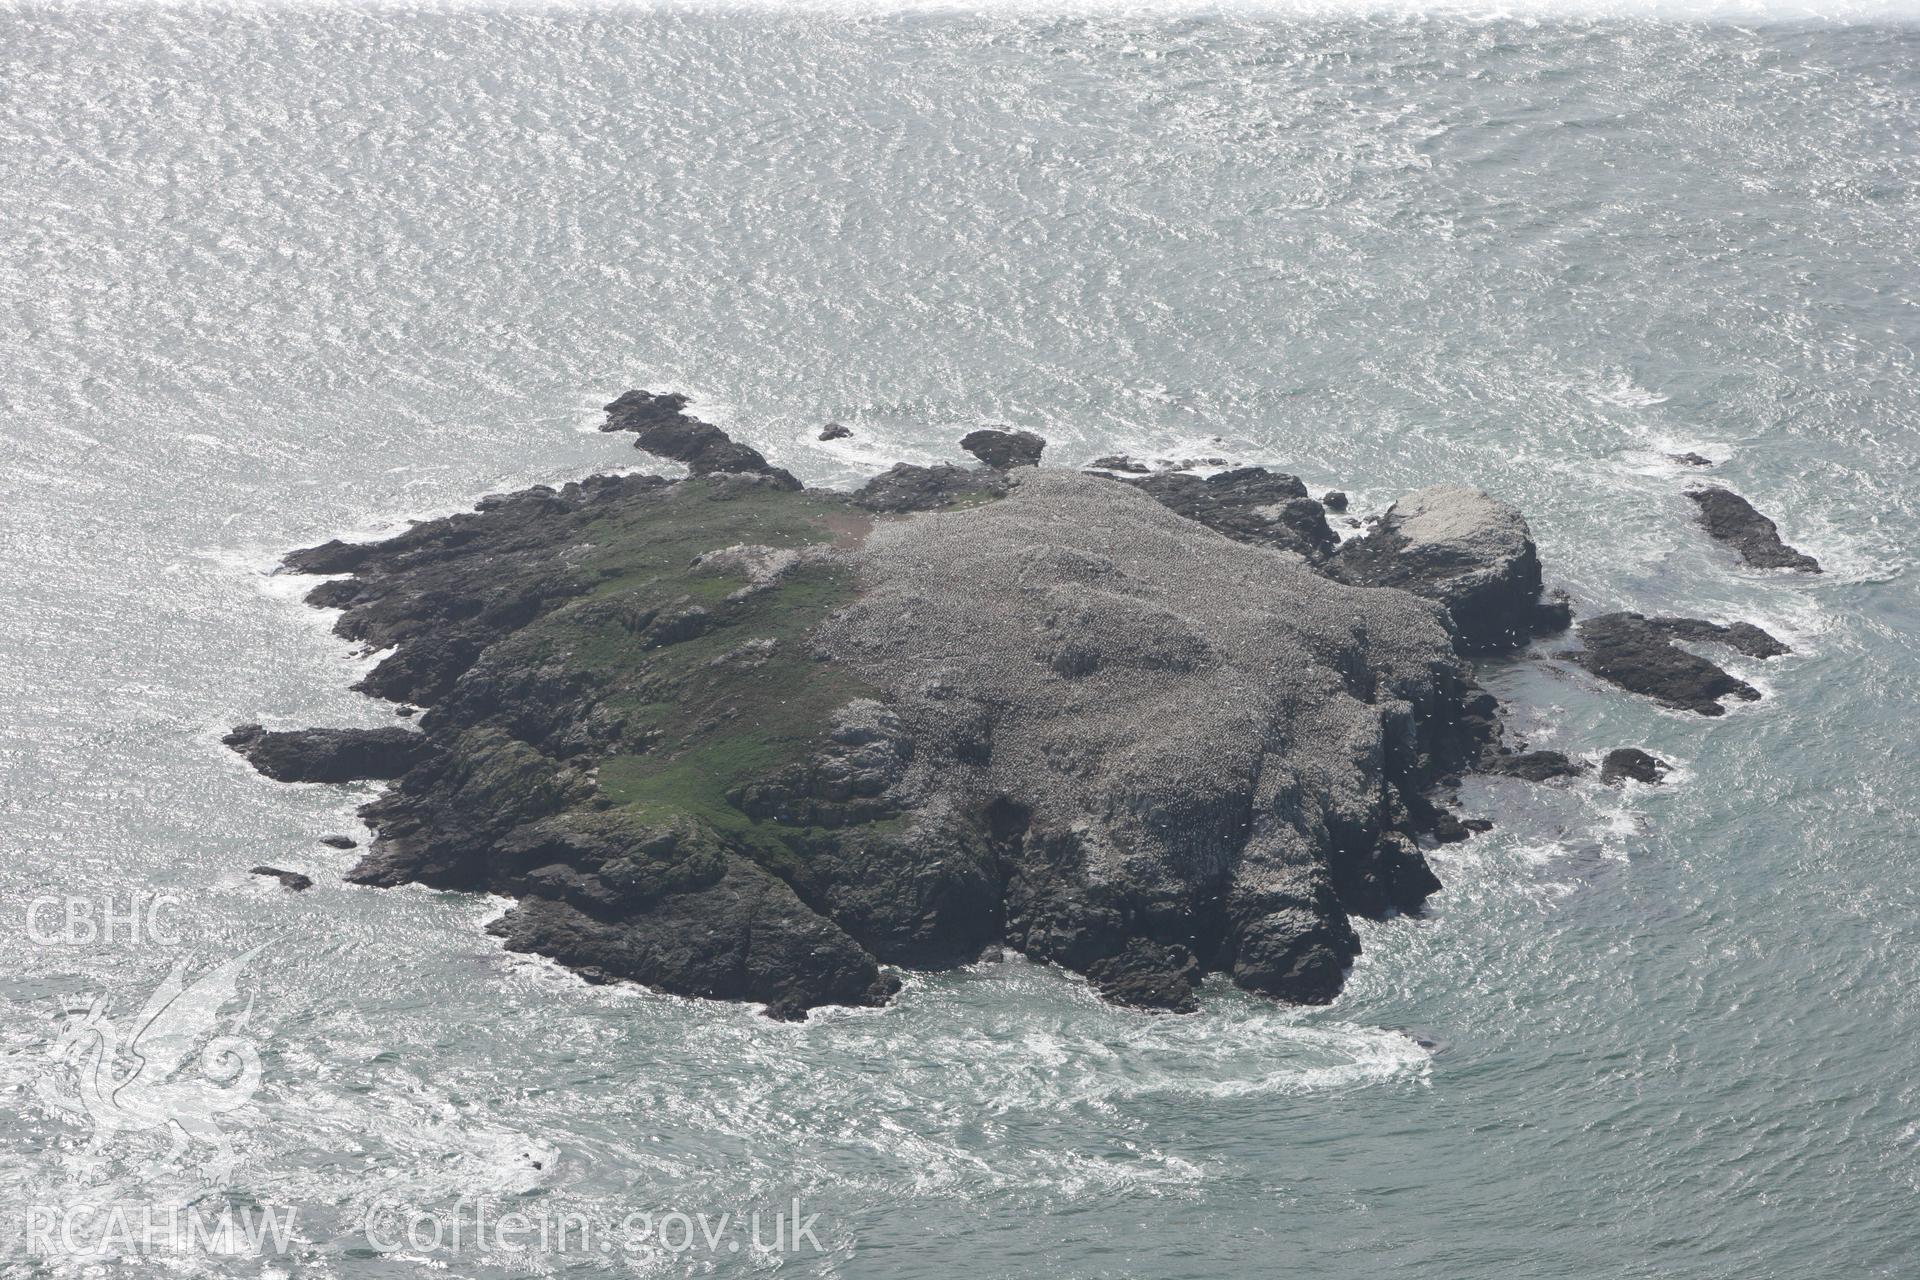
{"x": 274, "y": 275}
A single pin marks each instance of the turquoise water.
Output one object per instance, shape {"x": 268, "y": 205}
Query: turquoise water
{"x": 274, "y": 275}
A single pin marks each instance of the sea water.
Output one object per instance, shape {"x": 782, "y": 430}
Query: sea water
{"x": 271, "y": 275}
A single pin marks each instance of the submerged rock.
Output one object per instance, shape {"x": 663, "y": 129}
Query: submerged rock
{"x": 1639, "y": 654}
{"x": 329, "y": 755}
{"x": 1727, "y": 517}
{"x": 1471, "y": 552}
{"x": 1003, "y": 450}
{"x": 289, "y": 879}
{"x": 1625, "y": 764}
{"x": 1690, "y": 459}
{"x": 1536, "y": 766}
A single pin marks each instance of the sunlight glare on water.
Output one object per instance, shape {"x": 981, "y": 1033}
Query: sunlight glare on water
{"x": 274, "y": 275}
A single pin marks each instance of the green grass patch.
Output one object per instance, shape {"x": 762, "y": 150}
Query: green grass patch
{"x": 735, "y": 703}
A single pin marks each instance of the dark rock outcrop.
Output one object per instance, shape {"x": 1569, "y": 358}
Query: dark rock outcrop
{"x": 1468, "y": 551}
{"x": 329, "y": 755}
{"x": 1625, "y": 764}
{"x": 1448, "y": 828}
{"x": 1334, "y": 500}
{"x": 1690, "y": 459}
{"x": 340, "y": 842}
{"x": 1743, "y": 637}
{"x": 1250, "y": 504}
{"x": 1149, "y": 975}
{"x": 290, "y": 879}
{"x": 662, "y": 426}
{"x": 905, "y": 487}
{"x": 1119, "y": 462}
{"x": 1535, "y": 766}
{"x": 1004, "y": 450}
{"x": 1727, "y": 517}
{"x": 742, "y": 936}
{"x": 439, "y": 594}
{"x": 1639, "y": 654}
{"x": 834, "y": 431}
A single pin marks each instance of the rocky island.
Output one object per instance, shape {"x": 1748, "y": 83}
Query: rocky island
{"x": 733, "y": 737}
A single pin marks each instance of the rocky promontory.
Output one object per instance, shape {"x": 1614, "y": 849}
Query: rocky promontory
{"x": 733, "y": 737}
{"x": 1471, "y": 552}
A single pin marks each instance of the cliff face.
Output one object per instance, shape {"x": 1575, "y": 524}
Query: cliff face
{"x": 735, "y": 738}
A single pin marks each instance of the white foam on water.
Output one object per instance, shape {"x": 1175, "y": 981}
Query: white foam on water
{"x": 1623, "y": 392}
{"x": 1800, "y": 620}
{"x": 1659, "y": 462}
{"x": 1851, "y": 550}
{"x": 878, "y": 443}
{"x": 1162, "y": 451}
{"x": 1235, "y": 1045}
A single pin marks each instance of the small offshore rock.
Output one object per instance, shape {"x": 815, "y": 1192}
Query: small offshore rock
{"x": 1727, "y": 517}
{"x": 1624, "y": 763}
{"x": 1536, "y": 766}
{"x": 1638, "y": 654}
{"x": 329, "y": 755}
{"x": 1334, "y": 500}
{"x": 1690, "y": 459}
{"x": 340, "y": 842}
{"x": 834, "y": 431}
{"x": 290, "y": 879}
{"x": 1004, "y": 450}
